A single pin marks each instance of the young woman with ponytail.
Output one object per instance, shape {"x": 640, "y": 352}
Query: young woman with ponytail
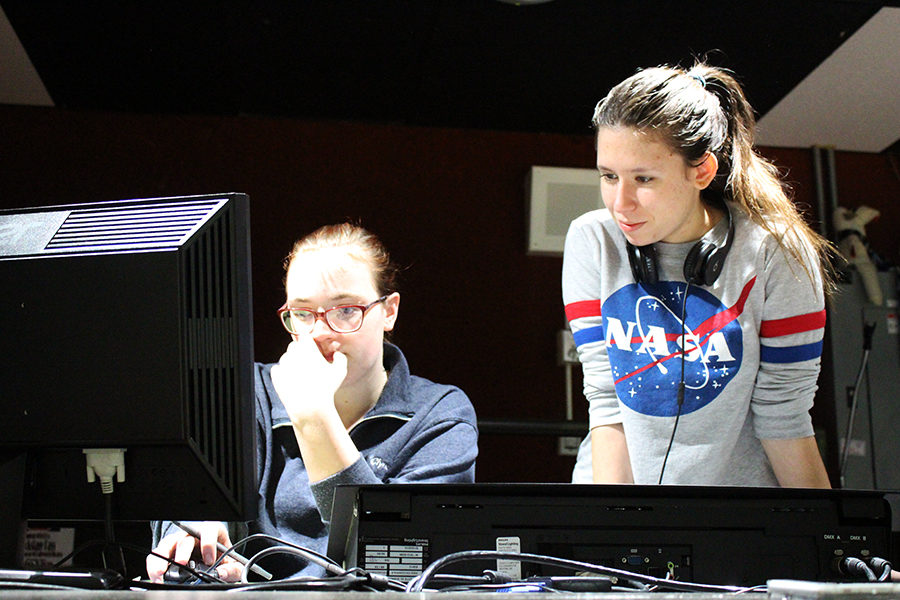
{"x": 696, "y": 297}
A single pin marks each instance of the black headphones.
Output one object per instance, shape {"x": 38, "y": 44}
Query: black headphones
{"x": 702, "y": 265}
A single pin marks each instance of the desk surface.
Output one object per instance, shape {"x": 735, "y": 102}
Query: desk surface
{"x": 780, "y": 590}
{"x": 262, "y": 595}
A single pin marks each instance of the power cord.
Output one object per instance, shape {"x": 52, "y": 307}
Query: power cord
{"x": 284, "y": 547}
{"x": 419, "y": 583}
{"x": 345, "y": 580}
{"x": 355, "y": 579}
{"x": 339, "y": 578}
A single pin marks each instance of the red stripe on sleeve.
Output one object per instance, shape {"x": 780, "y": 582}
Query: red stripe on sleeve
{"x": 790, "y": 325}
{"x": 585, "y": 308}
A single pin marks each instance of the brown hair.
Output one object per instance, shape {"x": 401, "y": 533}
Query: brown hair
{"x": 359, "y": 243}
{"x": 703, "y": 109}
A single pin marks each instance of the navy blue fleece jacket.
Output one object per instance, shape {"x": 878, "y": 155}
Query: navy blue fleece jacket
{"x": 418, "y": 431}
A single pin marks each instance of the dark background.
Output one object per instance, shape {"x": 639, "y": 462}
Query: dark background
{"x": 486, "y": 64}
{"x": 476, "y": 311}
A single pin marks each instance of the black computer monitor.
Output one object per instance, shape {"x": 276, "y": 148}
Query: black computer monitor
{"x": 127, "y": 325}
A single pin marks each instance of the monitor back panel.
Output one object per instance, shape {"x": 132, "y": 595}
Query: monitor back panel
{"x": 727, "y": 536}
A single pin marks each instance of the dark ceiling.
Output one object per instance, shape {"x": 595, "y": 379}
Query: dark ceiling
{"x": 458, "y": 63}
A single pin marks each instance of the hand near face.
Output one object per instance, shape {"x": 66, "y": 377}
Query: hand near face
{"x": 306, "y": 382}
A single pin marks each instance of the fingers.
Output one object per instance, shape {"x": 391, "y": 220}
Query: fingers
{"x": 303, "y": 360}
{"x": 298, "y": 354}
{"x": 177, "y": 546}
{"x": 180, "y": 547}
{"x": 305, "y": 352}
{"x": 222, "y": 534}
{"x": 303, "y": 349}
{"x": 184, "y": 549}
{"x": 212, "y": 534}
{"x": 339, "y": 363}
{"x": 156, "y": 567}
{"x": 154, "y": 570}
{"x": 230, "y": 570}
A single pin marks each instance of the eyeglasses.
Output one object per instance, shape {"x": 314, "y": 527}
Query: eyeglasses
{"x": 340, "y": 319}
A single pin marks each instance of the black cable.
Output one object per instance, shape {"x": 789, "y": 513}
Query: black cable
{"x": 100, "y": 578}
{"x": 680, "y": 397}
{"x": 756, "y": 588}
{"x": 418, "y": 584}
{"x": 338, "y": 583}
{"x": 312, "y": 556}
{"x": 289, "y": 584}
{"x": 355, "y": 579}
{"x": 489, "y": 580}
{"x": 851, "y": 565}
{"x": 514, "y": 586}
{"x": 339, "y": 577}
{"x": 574, "y": 583}
{"x": 671, "y": 438}
{"x": 379, "y": 582}
{"x": 881, "y": 565}
{"x": 85, "y": 546}
{"x": 107, "y": 519}
{"x": 109, "y": 531}
{"x": 872, "y": 461}
{"x": 868, "y": 330}
{"x": 272, "y": 550}
{"x": 352, "y": 579}
{"x": 198, "y": 574}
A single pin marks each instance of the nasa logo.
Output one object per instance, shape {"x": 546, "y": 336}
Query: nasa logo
{"x": 644, "y": 336}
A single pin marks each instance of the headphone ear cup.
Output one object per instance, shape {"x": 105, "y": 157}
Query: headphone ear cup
{"x": 713, "y": 264}
{"x": 694, "y": 263}
{"x": 634, "y": 259}
{"x": 643, "y": 263}
{"x": 651, "y": 276}
{"x": 705, "y": 261}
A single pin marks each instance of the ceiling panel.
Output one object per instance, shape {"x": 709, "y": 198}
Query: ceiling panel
{"x": 851, "y": 101}
{"x": 458, "y": 63}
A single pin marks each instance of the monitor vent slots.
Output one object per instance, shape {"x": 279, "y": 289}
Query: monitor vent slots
{"x": 212, "y": 355}
{"x": 146, "y": 225}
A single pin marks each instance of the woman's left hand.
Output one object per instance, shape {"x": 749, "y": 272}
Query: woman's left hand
{"x": 306, "y": 382}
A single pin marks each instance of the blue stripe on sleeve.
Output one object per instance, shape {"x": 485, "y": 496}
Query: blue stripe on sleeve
{"x": 588, "y": 335}
{"x": 790, "y": 354}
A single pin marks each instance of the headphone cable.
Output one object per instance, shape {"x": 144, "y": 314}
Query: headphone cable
{"x": 680, "y": 395}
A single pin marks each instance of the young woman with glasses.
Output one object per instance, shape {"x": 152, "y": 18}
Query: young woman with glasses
{"x": 340, "y": 406}
{"x": 696, "y": 297}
